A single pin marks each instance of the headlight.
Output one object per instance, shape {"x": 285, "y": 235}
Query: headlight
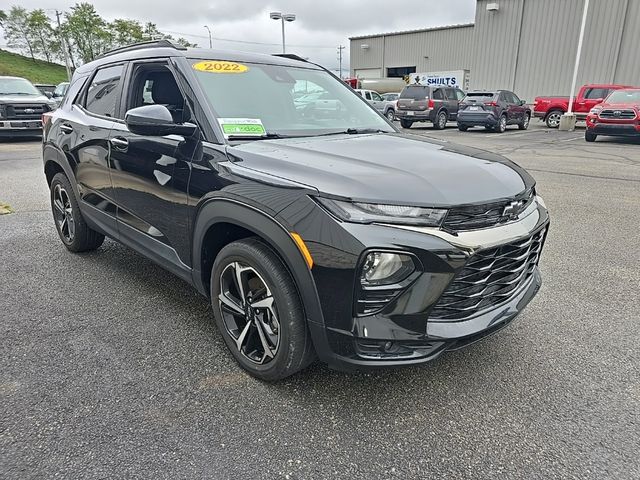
{"x": 595, "y": 111}
{"x": 372, "y": 212}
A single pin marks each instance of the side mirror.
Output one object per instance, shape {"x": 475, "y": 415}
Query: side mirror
{"x": 523, "y": 102}
{"x": 156, "y": 120}
{"x": 48, "y": 94}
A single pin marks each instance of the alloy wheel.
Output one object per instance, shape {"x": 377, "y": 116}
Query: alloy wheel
{"x": 526, "y": 122}
{"x": 63, "y": 213}
{"x": 391, "y": 115}
{"x": 249, "y": 312}
{"x": 442, "y": 120}
{"x": 503, "y": 123}
{"x": 553, "y": 120}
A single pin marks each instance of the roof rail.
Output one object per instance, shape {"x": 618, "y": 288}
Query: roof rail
{"x": 291, "y": 56}
{"x": 149, "y": 44}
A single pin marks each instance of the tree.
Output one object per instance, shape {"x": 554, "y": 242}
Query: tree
{"x": 16, "y": 30}
{"x": 125, "y": 31}
{"x": 41, "y": 33}
{"x": 87, "y": 31}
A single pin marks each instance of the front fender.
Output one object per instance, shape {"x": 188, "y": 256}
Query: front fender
{"x": 225, "y": 210}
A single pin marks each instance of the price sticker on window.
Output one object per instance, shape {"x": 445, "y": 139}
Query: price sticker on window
{"x": 219, "y": 66}
{"x": 242, "y": 126}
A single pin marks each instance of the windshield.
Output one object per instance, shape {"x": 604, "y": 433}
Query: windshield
{"x": 416, "y": 93}
{"x": 17, "y": 86}
{"x": 61, "y": 89}
{"x": 283, "y": 100}
{"x": 624, "y": 96}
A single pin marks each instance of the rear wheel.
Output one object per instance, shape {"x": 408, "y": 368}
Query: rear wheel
{"x": 441, "y": 120}
{"x": 463, "y": 128}
{"x": 258, "y": 311}
{"x": 553, "y": 118}
{"x": 501, "y": 126}
{"x": 525, "y": 123}
{"x": 72, "y": 228}
{"x": 590, "y": 137}
{"x": 391, "y": 115}
{"x": 406, "y": 123}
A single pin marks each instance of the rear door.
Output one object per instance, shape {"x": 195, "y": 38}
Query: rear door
{"x": 452, "y": 102}
{"x": 150, "y": 173}
{"x": 84, "y": 134}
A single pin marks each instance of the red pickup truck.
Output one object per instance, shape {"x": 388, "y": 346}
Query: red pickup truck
{"x": 550, "y": 109}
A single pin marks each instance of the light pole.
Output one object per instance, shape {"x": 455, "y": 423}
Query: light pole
{"x": 210, "y": 41}
{"x": 284, "y": 17}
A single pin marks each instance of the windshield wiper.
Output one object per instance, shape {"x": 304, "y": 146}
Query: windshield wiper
{"x": 266, "y": 136}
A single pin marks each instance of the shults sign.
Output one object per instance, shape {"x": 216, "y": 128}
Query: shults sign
{"x": 457, "y": 78}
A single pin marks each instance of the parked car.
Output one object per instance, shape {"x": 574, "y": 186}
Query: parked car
{"x": 21, "y": 107}
{"x": 45, "y": 88}
{"x": 438, "y": 105}
{"x": 378, "y": 102}
{"x": 311, "y": 235}
{"x": 617, "y": 116}
{"x": 550, "y": 109}
{"x": 61, "y": 90}
{"x": 493, "y": 110}
{"x": 392, "y": 104}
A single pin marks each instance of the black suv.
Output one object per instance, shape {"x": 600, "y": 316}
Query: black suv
{"x": 493, "y": 110}
{"x": 419, "y": 103}
{"x": 320, "y": 231}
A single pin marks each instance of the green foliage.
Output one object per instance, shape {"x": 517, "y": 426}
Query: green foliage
{"x": 36, "y": 71}
{"x": 86, "y": 34}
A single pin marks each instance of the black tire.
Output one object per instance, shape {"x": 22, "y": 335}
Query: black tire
{"x": 553, "y": 118}
{"x": 390, "y": 114}
{"x": 525, "y": 123}
{"x": 70, "y": 224}
{"x": 463, "y": 128}
{"x": 441, "y": 120}
{"x": 488, "y": 127}
{"x": 406, "y": 123}
{"x": 501, "y": 126}
{"x": 590, "y": 137}
{"x": 262, "y": 268}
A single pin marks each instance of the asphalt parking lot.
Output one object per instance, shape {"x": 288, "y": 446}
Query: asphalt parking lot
{"x": 111, "y": 367}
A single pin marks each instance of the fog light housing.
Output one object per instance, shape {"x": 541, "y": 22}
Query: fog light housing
{"x": 385, "y": 268}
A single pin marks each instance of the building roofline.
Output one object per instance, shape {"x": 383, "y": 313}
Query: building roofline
{"x": 420, "y": 30}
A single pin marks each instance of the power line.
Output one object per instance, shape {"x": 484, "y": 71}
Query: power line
{"x": 241, "y": 41}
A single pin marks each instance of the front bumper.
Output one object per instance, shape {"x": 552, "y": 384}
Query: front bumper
{"x": 403, "y": 333}
{"x": 11, "y": 128}
{"x": 614, "y": 130}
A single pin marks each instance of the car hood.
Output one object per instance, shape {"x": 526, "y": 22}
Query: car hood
{"x": 387, "y": 168}
{"x": 619, "y": 106}
{"x": 35, "y": 99}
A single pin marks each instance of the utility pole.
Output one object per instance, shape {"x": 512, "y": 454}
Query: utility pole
{"x": 64, "y": 46}
{"x": 340, "y": 49}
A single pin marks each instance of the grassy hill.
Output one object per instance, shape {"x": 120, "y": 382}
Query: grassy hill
{"x": 38, "y": 71}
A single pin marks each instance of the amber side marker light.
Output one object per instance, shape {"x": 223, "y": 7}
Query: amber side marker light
{"x": 303, "y": 248}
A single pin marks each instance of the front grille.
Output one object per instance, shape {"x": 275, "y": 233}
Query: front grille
{"x": 618, "y": 114}
{"x": 25, "y": 111}
{"x": 489, "y": 278}
{"x": 487, "y": 215}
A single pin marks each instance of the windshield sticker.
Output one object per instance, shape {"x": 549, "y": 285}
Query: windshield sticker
{"x": 242, "y": 126}
{"x": 219, "y": 66}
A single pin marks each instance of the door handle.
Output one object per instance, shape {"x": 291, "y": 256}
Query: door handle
{"x": 64, "y": 128}
{"x": 119, "y": 143}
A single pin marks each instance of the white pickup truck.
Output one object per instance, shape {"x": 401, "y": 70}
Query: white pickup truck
{"x": 387, "y": 108}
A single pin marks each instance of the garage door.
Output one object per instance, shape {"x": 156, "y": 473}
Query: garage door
{"x": 368, "y": 73}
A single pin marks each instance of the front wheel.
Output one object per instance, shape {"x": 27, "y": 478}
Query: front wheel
{"x": 525, "y": 123}
{"x": 406, "y": 123}
{"x": 70, "y": 224}
{"x": 258, "y": 311}
{"x": 590, "y": 137}
{"x": 441, "y": 121}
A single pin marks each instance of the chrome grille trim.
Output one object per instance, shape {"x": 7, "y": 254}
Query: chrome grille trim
{"x": 490, "y": 277}
{"x": 610, "y": 113}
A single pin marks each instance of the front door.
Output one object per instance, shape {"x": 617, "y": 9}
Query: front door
{"x": 150, "y": 173}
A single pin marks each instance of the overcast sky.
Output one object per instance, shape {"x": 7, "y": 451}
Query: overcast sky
{"x": 320, "y": 27}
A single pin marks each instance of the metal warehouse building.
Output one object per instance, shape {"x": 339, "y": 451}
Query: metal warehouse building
{"x": 528, "y": 46}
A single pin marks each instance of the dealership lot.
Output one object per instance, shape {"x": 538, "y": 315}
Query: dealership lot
{"x": 112, "y": 367}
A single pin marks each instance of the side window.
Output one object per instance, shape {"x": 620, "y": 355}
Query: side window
{"x": 503, "y": 97}
{"x": 460, "y": 95}
{"x": 104, "y": 91}
{"x": 72, "y": 92}
{"x": 594, "y": 93}
{"x": 154, "y": 84}
{"x": 367, "y": 95}
{"x": 437, "y": 94}
{"x": 376, "y": 96}
{"x": 451, "y": 94}
{"x": 516, "y": 99}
